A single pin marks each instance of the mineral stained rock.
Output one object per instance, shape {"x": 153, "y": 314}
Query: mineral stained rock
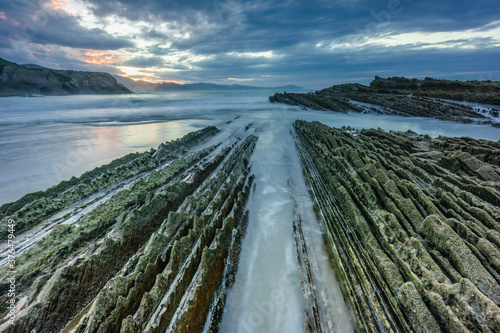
{"x": 158, "y": 251}
{"x": 412, "y": 223}
{"x": 400, "y": 96}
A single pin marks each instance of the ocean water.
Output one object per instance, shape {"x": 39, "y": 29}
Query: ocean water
{"x": 44, "y": 140}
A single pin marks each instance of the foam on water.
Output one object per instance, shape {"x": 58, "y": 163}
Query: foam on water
{"x": 44, "y": 140}
{"x": 266, "y": 296}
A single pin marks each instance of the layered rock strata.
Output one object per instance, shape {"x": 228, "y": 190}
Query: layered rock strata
{"x": 313, "y": 313}
{"x": 412, "y": 98}
{"x": 34, "y": 207}
{"x": 484, "y": 92}
{"x": 181, "y": 275}
{"x": 412, "y": 223}
{"x": 181, "y": 213}
{"x": 317, "y": 101}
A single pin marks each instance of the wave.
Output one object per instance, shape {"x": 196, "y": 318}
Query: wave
{"x": 127, "y": 109}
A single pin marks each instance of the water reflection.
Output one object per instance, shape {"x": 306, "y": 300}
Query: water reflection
{"x": 36, "y": 157}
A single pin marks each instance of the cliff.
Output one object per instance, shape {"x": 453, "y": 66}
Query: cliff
{"x": 18, "y": 80}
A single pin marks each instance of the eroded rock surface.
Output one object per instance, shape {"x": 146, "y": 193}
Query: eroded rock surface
{"x": 160, "y": 250}
{"x": 412, "y": 223}
{"x": 484, "y": 92}
{"x": 34, "y": 207}
{"x": 406, "y": 97}
{"x": 150, "y": 242}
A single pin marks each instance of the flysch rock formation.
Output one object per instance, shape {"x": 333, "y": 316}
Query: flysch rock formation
{"x": 151, "y": 241}
{"x": 413, "y": 225}
{"x": 484, "y": 92}
{"x": 441, "y": 99}
{"x": 146, "y": 242}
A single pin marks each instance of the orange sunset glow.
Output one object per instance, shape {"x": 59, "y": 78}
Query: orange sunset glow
{"x": 100, "y": 57}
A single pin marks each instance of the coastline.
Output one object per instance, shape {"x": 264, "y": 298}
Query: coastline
{"x": 151, "y": 198}
{"x": 78, "y": 239}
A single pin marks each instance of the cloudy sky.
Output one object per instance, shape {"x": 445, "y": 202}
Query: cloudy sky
{"x": 313, "y": 43}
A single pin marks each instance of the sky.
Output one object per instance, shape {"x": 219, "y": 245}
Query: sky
{"x": 313, "y": 44}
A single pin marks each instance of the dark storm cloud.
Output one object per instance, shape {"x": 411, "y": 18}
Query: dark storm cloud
{"x": 278, "y": 23}
{"x": 144, "y": 62}
{"x": 222, "y": 38}
{"x": 312, "y": 70}
{"x": 149, "y": 9}
{"x": 30, "y": 21}
{"x": 62, "y": 30}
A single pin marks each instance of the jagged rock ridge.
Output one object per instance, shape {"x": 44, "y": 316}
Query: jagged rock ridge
{"x": 405, "y": 97}
{"x": 484, "y": 92}
{"x": 172, "y": 215}
{"x": 412, "y": 223}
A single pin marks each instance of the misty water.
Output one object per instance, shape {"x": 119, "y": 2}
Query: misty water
{"x": 48, "y": 139}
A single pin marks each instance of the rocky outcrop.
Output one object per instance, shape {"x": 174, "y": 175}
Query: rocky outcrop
{"x": 17, "y": 80}
{"x": 418, "y": 107}
{"x": 316, "y": 101}
{"x": 312, "y": 320}
{"x": 405, "y": 97}
{"x": 412, "y": 223}
{"x": 151, "y": 241}
{"x": 178, "y": 219}
{"x": 484, "y": 92}
{"x": 35, "y": 207}
{"x": 180, "y": 277}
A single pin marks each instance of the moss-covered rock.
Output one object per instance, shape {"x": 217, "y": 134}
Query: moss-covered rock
{"x": 414, "y": 222}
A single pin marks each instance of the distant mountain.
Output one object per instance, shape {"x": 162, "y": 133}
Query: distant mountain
{"x": 289, "y": 87}
{"x": 136, "y": 86}
{"x": 34, "y": 79}
{"x": 170, "y": 86}
{"x": 149, "y": 87}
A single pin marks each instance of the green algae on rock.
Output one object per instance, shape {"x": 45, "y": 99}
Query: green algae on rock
{"x": 485, "y": 92}
{"x": 405, "y": 97}
{"x": 124, "y": 241}
{"x": 413, "y": 228}
{"x": 172, "y": 281}
{"x": 34, "y": 207}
